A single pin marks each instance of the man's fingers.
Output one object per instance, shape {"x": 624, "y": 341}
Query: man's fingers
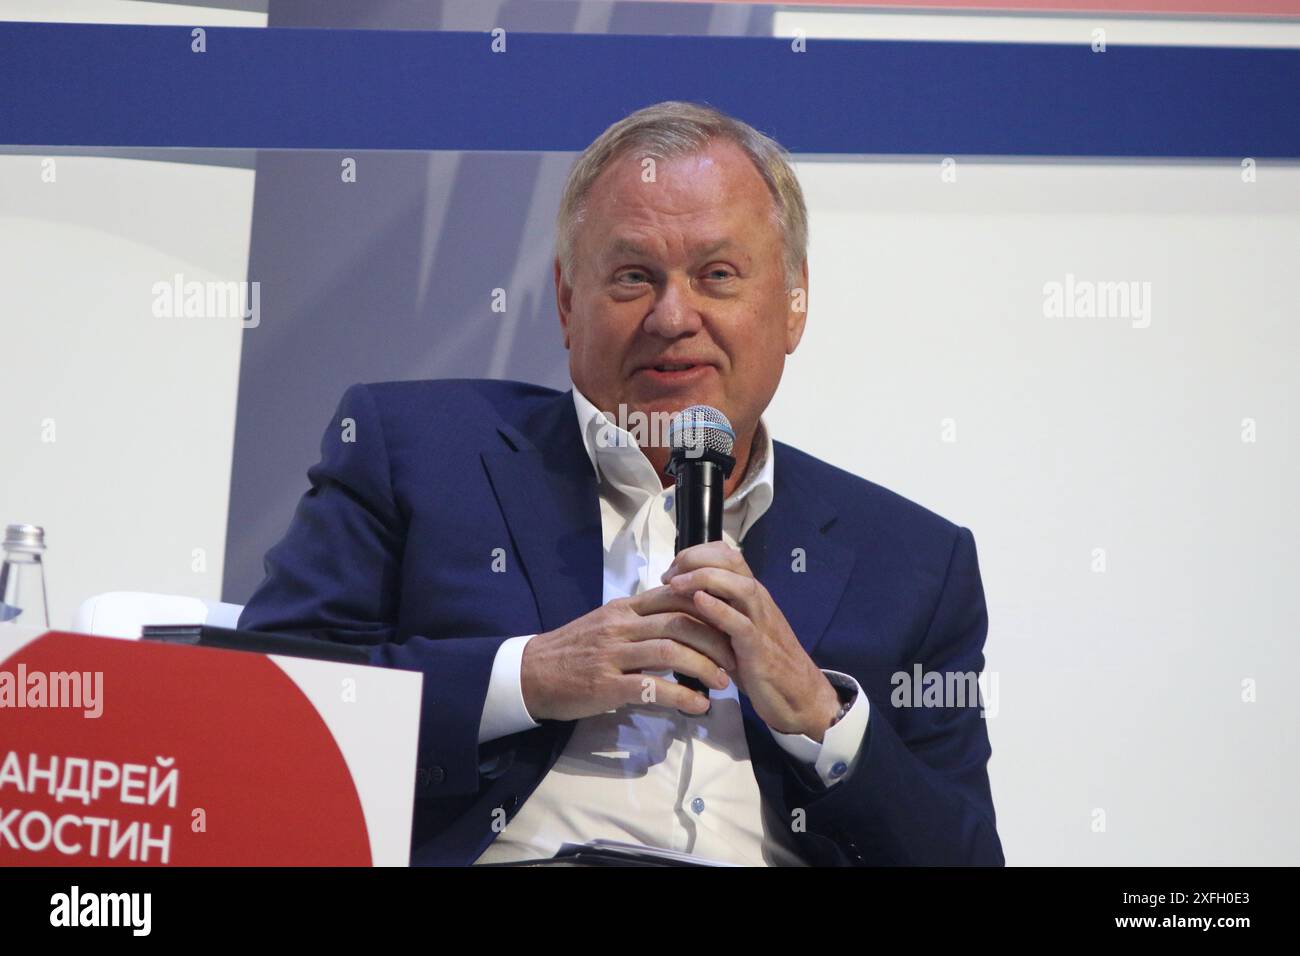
{"x": 665, "y": 654}
{"x": 713, "y": 554}
{"x": 723, "y": 617}
{"x": 648, "y": 689}
{"x": 740, "y": 592}
{"x": 658, "y": 601}
{"x": 688, "y": 629}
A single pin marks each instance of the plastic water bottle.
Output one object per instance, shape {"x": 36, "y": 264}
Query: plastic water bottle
{"x": 22, "y": 577}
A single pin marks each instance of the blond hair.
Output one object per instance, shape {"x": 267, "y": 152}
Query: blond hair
{"x": 675, "y": 129}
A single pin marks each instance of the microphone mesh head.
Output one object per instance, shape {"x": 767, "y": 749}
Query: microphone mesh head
{"x": 699, "y": 428}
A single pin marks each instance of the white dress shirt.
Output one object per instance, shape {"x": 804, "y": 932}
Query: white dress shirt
{"x": 647, "y": 773}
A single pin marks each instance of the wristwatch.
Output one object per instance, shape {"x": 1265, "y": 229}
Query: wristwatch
{"x": 847, "y": 694}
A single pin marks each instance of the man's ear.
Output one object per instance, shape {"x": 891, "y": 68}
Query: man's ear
{"x": 563, "y": 300}
{"x": 798, "y": 312}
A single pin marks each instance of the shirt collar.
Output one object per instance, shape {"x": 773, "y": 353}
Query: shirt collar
{"x": 617, "y": 459}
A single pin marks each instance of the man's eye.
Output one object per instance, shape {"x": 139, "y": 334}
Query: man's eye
{"x": 631, "y": 277}
{"x": 720, "y": 274}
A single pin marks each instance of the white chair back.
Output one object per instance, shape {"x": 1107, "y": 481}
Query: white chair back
{"x": 124, "y": 613}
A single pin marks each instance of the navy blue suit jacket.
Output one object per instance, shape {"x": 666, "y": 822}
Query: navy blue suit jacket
{"x": 419, "y": 485}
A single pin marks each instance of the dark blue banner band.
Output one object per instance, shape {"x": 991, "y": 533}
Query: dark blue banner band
{"x": 95, "y": 85}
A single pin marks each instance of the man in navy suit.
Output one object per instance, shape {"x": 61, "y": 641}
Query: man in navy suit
{"x": 514, "y": 544}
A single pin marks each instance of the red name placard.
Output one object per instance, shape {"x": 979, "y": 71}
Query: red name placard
{"x": 118, "y": 752}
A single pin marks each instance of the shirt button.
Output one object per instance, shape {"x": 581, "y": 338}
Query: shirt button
{"x": 839, "y": 769}
{"x": 698, "y": 804}
{"x": 668, "y": 503}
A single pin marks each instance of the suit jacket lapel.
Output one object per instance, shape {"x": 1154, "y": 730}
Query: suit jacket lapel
{"x": 789, "y": 551}
{"x": 545, "y": 485}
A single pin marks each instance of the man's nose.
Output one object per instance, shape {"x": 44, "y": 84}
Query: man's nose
{"x": 675, "y": 310}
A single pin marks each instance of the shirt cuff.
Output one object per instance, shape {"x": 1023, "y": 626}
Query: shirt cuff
{"x": 504, "y": 712}
{"x": 835, "y": 757}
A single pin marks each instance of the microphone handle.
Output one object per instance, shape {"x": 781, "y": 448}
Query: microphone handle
{"x": 699, "y": 501}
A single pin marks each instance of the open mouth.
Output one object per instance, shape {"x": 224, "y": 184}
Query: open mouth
{"x": 676, "y": 375}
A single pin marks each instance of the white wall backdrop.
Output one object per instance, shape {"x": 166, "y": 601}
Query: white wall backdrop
{"x": 237, "y": 13}
{"x": 1030, "y": 28}
{"x": 1119, "y": 690}
{"x": 142, "y": 408}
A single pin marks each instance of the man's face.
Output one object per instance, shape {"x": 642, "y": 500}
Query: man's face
{"x": 686, "y": 270}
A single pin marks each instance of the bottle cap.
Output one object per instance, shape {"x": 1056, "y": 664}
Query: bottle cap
{"x": 24, "y": 539}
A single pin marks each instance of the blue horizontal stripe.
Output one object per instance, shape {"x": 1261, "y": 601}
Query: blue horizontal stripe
{"x": 97, "y": 85}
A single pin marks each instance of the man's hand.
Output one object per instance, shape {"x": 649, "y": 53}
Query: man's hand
{"x": 789, "y": 692}
{"x": 592, "y": 664}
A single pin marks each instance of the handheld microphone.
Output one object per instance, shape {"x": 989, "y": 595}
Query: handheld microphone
{"x": 701, "y": 439}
